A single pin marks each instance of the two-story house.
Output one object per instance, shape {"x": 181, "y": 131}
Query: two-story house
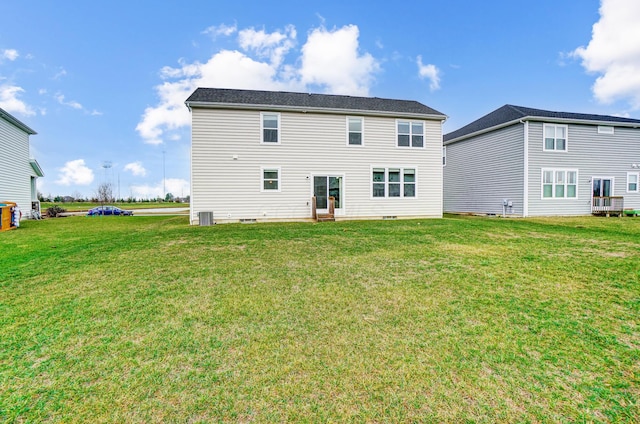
{"x": 263, "y": 155}
{"x": 18, "y": 171}
{"x": 531, "y": 162}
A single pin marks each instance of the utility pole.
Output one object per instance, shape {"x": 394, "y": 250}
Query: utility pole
{"x": 164, "y": 178}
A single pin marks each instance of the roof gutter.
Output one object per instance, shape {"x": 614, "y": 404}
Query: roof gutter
{"x": 301, "y": 109}
{"x": 36, "y": 167}
{"x": 16, "y": 122}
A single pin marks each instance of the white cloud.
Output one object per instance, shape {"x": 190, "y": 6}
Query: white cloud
{"x": 176, "y": 186}
{"x": 329, "y": 61}
{"x": 75, "y": 105}
{"x": 75, "y": 172}
{"x": 10, "y": 102}
{"x": 61, "y": 73}
{"x": 72, "y": 104}
{"x": 10, "y": 54}
{"x": 215, "y": 30}
{"x": 430, "y": 72}
{"x": 136, "y": 169}
{"x": 273, "y": 45}
{"x": 614, "y": 52}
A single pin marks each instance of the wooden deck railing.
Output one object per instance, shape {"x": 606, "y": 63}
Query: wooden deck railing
{"x": 329, "y": 216}
{"x": 607, "y": 205}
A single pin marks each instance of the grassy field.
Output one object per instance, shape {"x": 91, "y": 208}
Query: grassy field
{"x": 85, "y": 206}
{"x": 147, "y": 319}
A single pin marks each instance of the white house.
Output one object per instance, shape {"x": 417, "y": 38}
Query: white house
{"x": 263, "y": 156}
{"x": 531, "y": 162}
{"x": 18, "y": 171}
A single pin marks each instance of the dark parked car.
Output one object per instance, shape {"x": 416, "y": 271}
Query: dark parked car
{"x": 108, "y": 210}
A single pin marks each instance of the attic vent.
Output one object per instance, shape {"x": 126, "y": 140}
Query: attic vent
{"x": 248, "y": 221}
{"x": 602, "y": 129}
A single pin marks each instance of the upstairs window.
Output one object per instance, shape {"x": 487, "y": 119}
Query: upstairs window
{"x": 632, "y": 182}
{"x": 410, "y": 134}
{"x": 444, "y": 156}
{"x": 354, "y": 131}
{"x": 555, "y": 137}
{"x": 270, "y": 125}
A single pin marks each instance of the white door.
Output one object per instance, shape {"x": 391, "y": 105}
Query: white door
{"x": 325, "y": 186}
{"x": 602, "y": 189}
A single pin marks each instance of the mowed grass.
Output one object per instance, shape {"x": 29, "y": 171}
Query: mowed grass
{"x": 147, "y": 319}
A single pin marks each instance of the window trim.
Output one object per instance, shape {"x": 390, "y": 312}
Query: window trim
{"x": 637, "y": 175}
{"x": 566, "y": 139}
{"x": 401, "y": 182}
{"x": 262, "y": 179}
{"x": 361, "y": 118}
{"x": 411, "y": 122}
{"x": 279, "y": 129}
{"x": 444, "y": 156}
{"x": 554, "y": 184}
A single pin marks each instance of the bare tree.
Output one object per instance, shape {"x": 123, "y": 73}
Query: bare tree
{"x": 77, "y": 196}
{"x": 104, "y": 193}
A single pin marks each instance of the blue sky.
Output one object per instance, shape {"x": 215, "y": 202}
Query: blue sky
{"x": 106, "y": 81}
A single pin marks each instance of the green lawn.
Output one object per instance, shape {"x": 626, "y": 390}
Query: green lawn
{"x": 463, "y": 319}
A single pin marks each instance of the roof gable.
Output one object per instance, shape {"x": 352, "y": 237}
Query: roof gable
{"x": 510, "y": 113}
{"x": 13, "y": 120}
{"x": 220, "y": 97}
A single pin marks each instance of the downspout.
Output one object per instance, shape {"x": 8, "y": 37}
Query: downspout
{"x": 191, "y": 218}
{"x": 525, "y": 193}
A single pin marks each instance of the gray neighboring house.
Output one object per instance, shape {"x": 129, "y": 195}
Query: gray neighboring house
{"x": 265, "y": 156}
{"x": 18, "y": 170}
{"x": 541, "y": 162}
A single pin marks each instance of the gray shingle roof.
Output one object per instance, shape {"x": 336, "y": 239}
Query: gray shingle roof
{"x": 509, "y": 113}
{"x": 283, "y": 100}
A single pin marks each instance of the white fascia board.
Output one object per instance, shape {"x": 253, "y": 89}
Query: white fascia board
{"x": 300, "y": 109}
{"x": 582, "y": 121}
{"x": 13, "y": 120}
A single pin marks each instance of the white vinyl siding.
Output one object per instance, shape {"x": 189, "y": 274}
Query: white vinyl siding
{"x": 555, "y": 138}
{"x": 311, "y": 144}
{"x": 16, "y": 173}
